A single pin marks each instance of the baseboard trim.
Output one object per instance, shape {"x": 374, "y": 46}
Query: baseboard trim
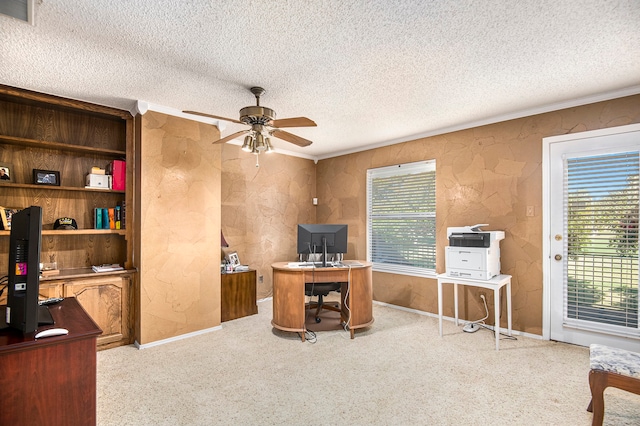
{"x": 432, "y": 315}
{"x": 176, "y": 338}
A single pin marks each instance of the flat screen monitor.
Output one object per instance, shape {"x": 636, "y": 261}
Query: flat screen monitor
{"x": 24, "y": 269}
{"x": 322, "y": 239}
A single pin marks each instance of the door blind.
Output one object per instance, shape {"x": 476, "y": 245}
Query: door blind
{"x": 601, "y": 250}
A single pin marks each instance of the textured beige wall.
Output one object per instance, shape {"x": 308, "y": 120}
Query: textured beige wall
{"x": 262, "y": 206}
{"x": 179, "y": 207}
{"x": 488, "y": 174}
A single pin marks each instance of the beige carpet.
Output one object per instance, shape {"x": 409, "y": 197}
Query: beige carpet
{"x": 397, "y": 372}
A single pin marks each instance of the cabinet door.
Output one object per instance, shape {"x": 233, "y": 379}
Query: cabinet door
{"x": 238, "y": 295}
{"x": 106, "y": 300}
{"x": 49, "y": 290}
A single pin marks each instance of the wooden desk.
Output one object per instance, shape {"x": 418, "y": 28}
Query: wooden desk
{"x": 495, "y": 284}
{"x": 356, "y": 304}
{"x": 51, "y": 380}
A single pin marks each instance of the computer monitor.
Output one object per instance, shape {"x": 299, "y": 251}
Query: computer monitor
{"x": 322, "y": 239}
{"x": 24, "y": 269}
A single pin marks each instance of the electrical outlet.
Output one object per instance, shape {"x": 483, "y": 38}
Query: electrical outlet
{"x": 531, "y": 211}
{"x": 483, "y": 295}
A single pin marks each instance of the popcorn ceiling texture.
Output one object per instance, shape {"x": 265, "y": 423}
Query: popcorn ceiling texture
{"x": 368, "y": 72}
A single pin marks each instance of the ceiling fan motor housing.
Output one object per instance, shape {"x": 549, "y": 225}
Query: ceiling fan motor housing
{"x": 257, "y": 115}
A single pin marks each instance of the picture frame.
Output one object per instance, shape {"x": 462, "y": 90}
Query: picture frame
{"x": 6, "y": 173}
{"x": 234, "y": 260}
{"x": 5, "y": 217}
{"x": 46, "y": 177}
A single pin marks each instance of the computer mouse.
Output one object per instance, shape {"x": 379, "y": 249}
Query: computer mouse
{"x": 51, "y": 332}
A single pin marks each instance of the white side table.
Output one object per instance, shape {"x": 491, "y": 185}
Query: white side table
{"x": 494, "y": 284}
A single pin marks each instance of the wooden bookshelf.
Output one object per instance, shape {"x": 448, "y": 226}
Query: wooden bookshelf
{"x": 45, "y": 132}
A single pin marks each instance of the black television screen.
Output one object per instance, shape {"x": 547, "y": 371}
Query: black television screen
{"x": 24, "y": 269}
{"x": 322, "y": 239}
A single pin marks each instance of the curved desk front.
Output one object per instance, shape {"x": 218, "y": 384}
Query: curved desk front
{"x": 356, "y": 295}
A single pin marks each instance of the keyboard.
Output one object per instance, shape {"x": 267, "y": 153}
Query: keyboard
{"x": 308, "y": 264}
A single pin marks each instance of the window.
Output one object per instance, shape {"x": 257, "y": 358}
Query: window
{"x": 401, "y": 218}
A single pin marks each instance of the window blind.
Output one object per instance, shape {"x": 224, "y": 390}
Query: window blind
{"x": 401, "y": 218}
{"x": 601, "y": 251}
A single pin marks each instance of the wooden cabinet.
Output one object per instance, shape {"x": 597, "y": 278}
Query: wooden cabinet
{"x": 43, "y": 132}
{"x": 238, "y": 295}
{"x": 106, "y": 297}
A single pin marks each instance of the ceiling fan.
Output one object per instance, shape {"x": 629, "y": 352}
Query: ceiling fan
{"x": 263, "y": 125}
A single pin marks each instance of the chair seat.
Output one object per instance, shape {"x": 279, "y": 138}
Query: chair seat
{"x": 615, "y": 360}
{"x": 613, "y": 367}
{"x": 321, "y": 290}
{"x": 315, "y": 289}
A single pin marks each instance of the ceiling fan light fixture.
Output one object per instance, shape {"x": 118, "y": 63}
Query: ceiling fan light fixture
{"x": 259, "y": 144}
{"x": 269, "y": 147}
{"x": 247, "y": 146}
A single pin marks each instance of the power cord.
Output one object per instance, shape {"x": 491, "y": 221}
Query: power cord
{"x": 472, "y": 327}
{"x": 309, "y": 336}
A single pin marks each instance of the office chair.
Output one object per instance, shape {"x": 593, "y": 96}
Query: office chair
{"x": 321, "y": 290}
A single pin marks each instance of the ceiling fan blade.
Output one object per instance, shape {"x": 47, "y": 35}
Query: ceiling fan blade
{"x": 213, "y": 116}
{"x": 231, "y": 136}
{"x": 294, "y": 122}
{"x": 289, "y": 137}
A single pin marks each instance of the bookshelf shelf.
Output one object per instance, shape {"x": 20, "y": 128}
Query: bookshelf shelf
{"x": 43, "y": 144}
{"x": 70, "y": 233}
{"x": 57, "y": 188}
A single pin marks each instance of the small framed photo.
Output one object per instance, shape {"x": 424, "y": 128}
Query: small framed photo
{"x": 46, "y": 177}
{"x": 6, "y": 172}
{"x": 234, "y": 260}
{"x": 5, "y": 217}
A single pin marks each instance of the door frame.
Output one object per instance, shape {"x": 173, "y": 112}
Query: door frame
{"x": 546, "y": 210}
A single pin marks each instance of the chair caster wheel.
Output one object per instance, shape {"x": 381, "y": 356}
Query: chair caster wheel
{"x": 318, "y": 319}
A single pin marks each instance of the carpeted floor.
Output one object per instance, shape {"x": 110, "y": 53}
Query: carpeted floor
{"x": 397, "y": 372}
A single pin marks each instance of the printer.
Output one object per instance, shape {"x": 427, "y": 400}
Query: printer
{"x": 473, "y": 253}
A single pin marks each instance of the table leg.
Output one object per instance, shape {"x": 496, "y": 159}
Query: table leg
{"x": 509, "y": 306}
{"x": 455, "y": 301}
{"x": 440, "y": 307}
{"x": 496, "y": 302}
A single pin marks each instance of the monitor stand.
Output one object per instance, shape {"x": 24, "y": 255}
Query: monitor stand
{"x": 44, "y": 316}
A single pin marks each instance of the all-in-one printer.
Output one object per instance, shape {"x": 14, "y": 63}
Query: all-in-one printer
{"x": 473, "y": 253}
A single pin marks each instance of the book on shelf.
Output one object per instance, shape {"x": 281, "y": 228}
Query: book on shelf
{"x": 117, "y": 169}
{"x": 108, "y": 267}
{"x": 105, "y": 218}
{"x": 109, "y": 217}
{"x": 112, "y": 218}
{"x": 97, "y": 218}
{"x": 123, "y": 215}
{"x": 117, "y": 217}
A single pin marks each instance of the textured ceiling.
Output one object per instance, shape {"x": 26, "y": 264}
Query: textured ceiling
{"x": 369, "y": 72}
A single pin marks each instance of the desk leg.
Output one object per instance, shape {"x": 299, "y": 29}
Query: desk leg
{"x": 440, "y": 307}
{"x": 455, "y": 301}
{"x": 496, "y": 327}
{"x": 509, "y": 306}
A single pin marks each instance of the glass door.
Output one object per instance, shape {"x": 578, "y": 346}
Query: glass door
{"x": 594, "y": 196}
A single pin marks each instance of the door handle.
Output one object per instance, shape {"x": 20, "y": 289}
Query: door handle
{"x": 558, "y": 257}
